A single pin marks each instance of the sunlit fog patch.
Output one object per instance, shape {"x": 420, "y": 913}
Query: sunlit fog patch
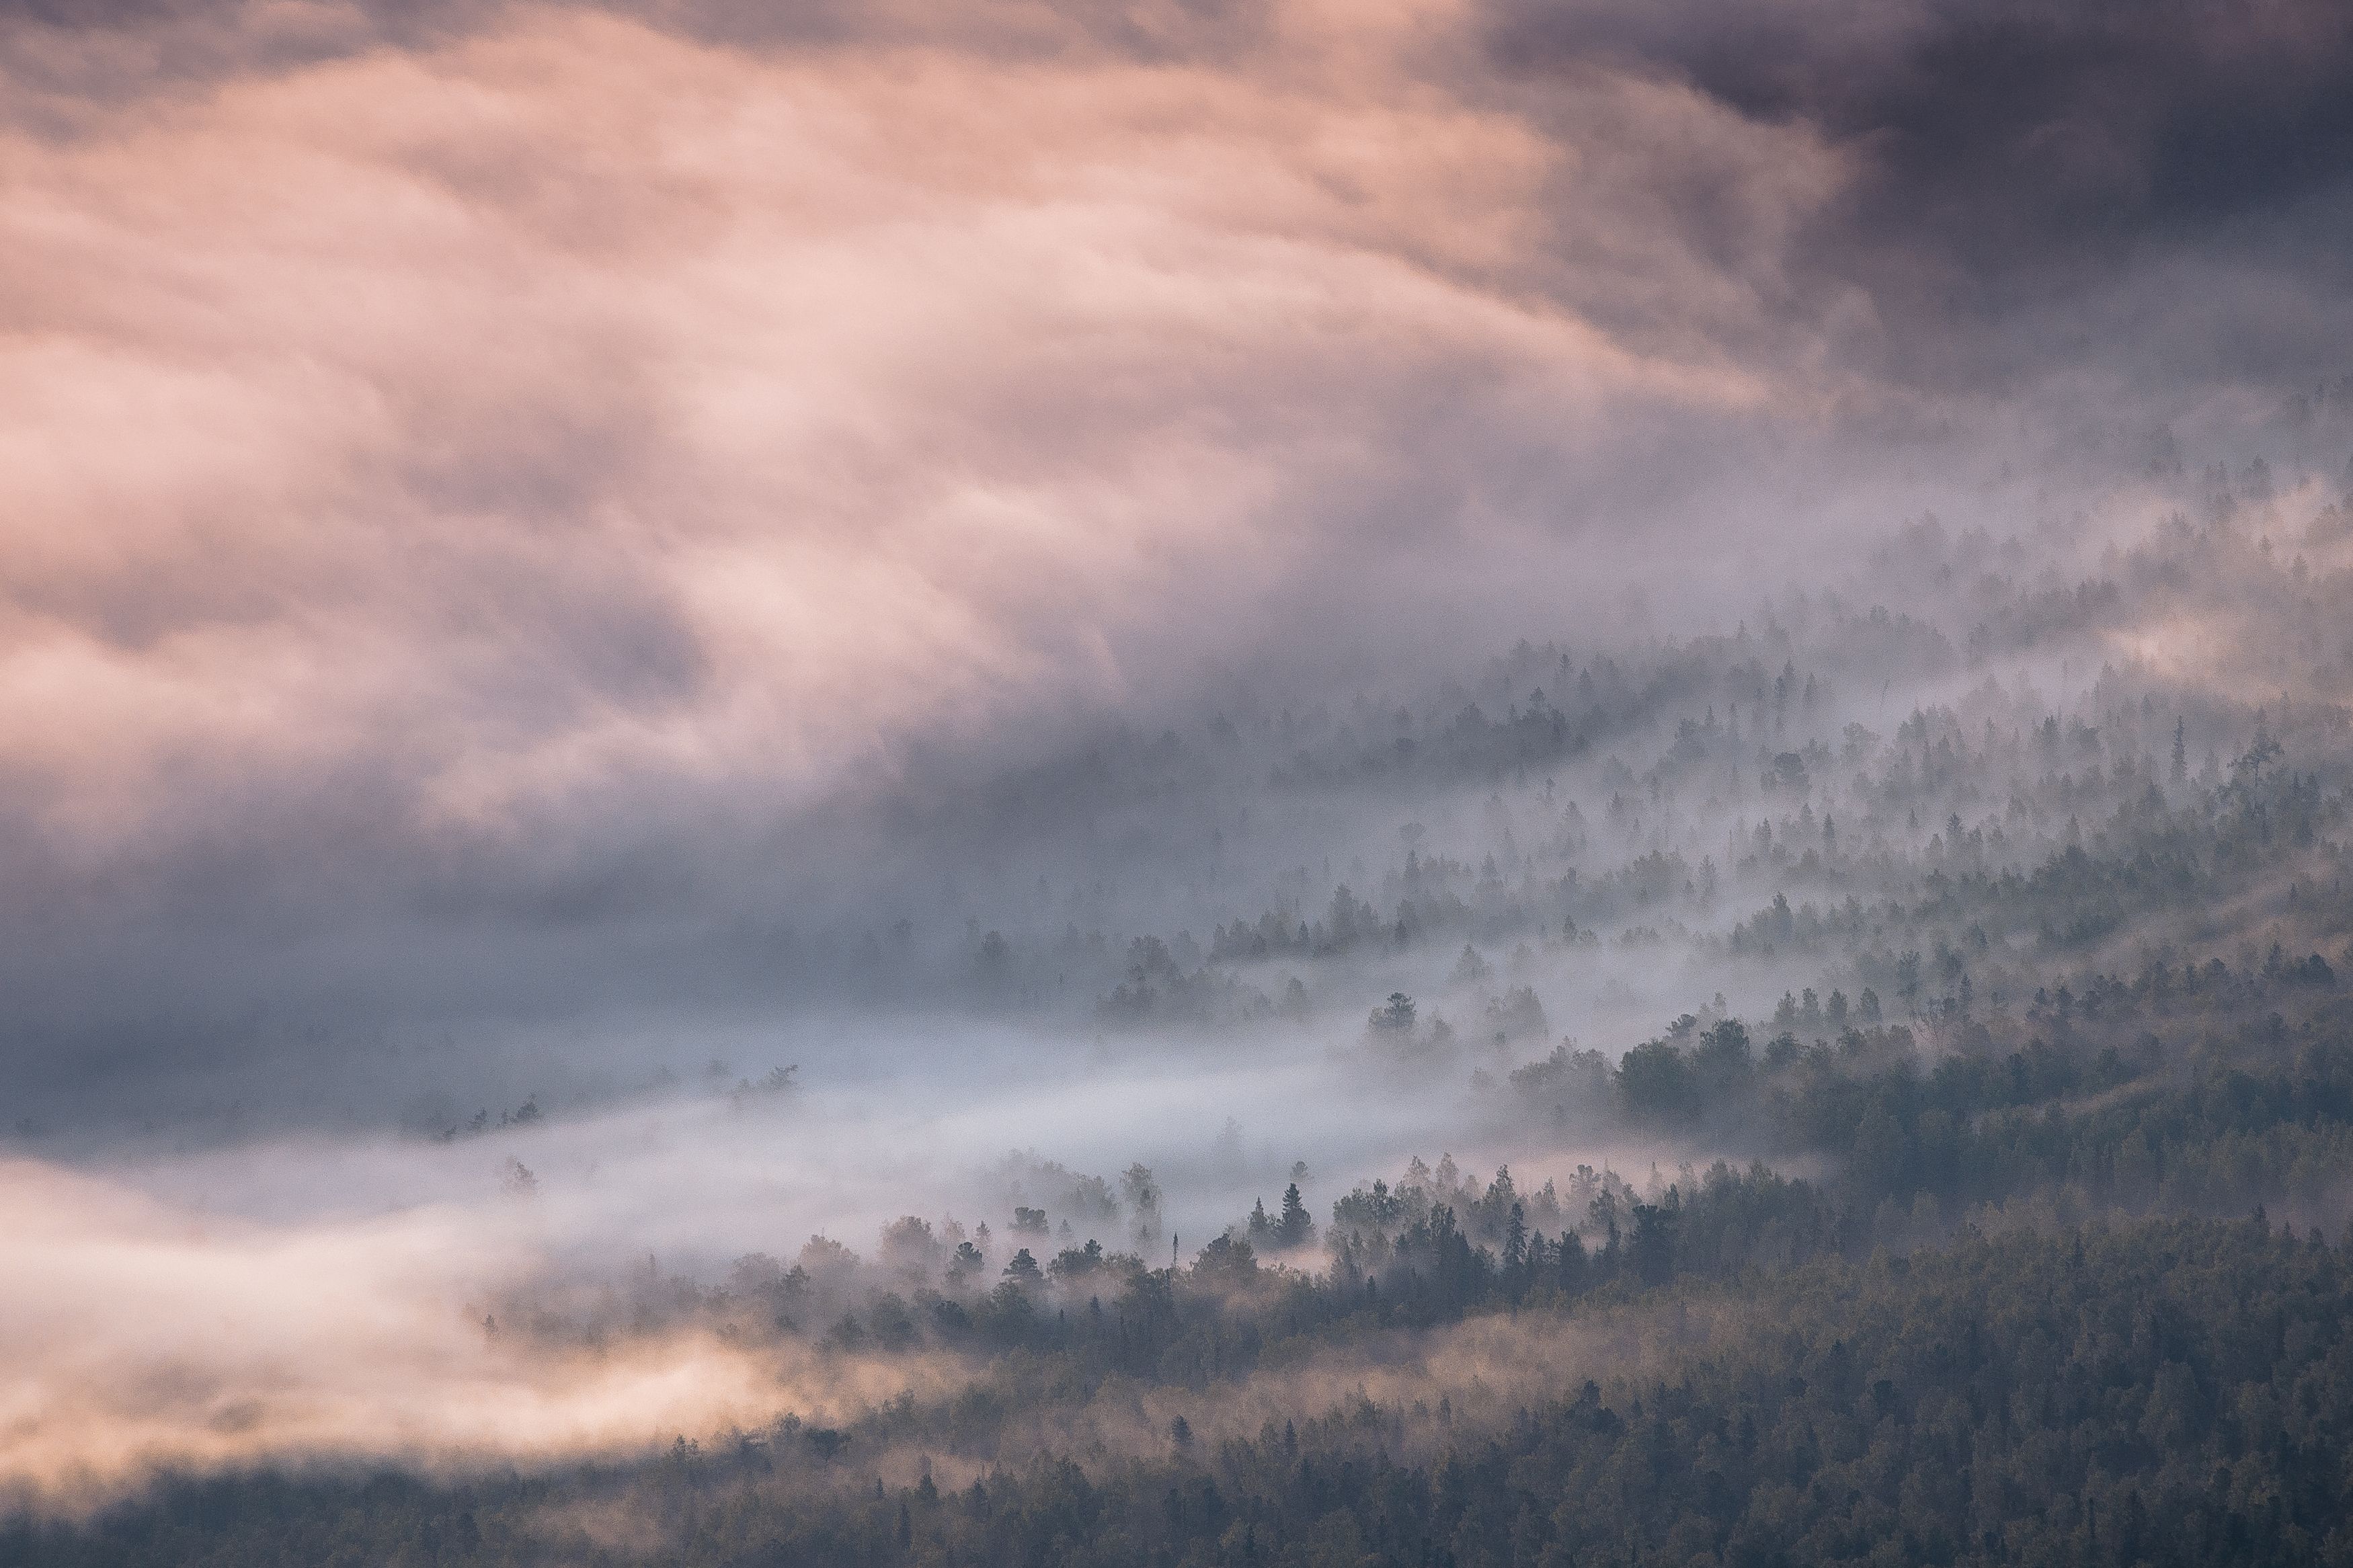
{"x": 151, "y": 1337}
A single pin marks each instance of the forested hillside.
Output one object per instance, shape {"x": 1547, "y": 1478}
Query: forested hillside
{"x": 1993, "y": 1207}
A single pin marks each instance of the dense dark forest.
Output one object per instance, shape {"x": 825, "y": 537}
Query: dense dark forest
{"x": 2143, "y": 1392}
{"x": 1997, "y": 1112}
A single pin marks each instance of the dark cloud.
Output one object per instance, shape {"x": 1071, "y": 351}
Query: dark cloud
{"x": 2022, "y": 165}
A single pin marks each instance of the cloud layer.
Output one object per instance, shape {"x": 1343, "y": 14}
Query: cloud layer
{"x": 573, "y": 399}
{"x": 475, "y": 468}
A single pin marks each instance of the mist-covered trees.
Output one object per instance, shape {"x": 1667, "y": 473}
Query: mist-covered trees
{"x": 1987, "y": 1016}
{"x": 2159, "y": 1393}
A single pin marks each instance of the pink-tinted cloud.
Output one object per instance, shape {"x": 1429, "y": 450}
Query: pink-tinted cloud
{"x": 563, "y": 400}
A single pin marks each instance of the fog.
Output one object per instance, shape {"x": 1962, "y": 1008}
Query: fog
{"x": 150, "y": 1337}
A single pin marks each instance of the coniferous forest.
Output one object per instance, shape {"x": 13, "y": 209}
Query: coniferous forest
{"x": 2011, "y": 1230}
